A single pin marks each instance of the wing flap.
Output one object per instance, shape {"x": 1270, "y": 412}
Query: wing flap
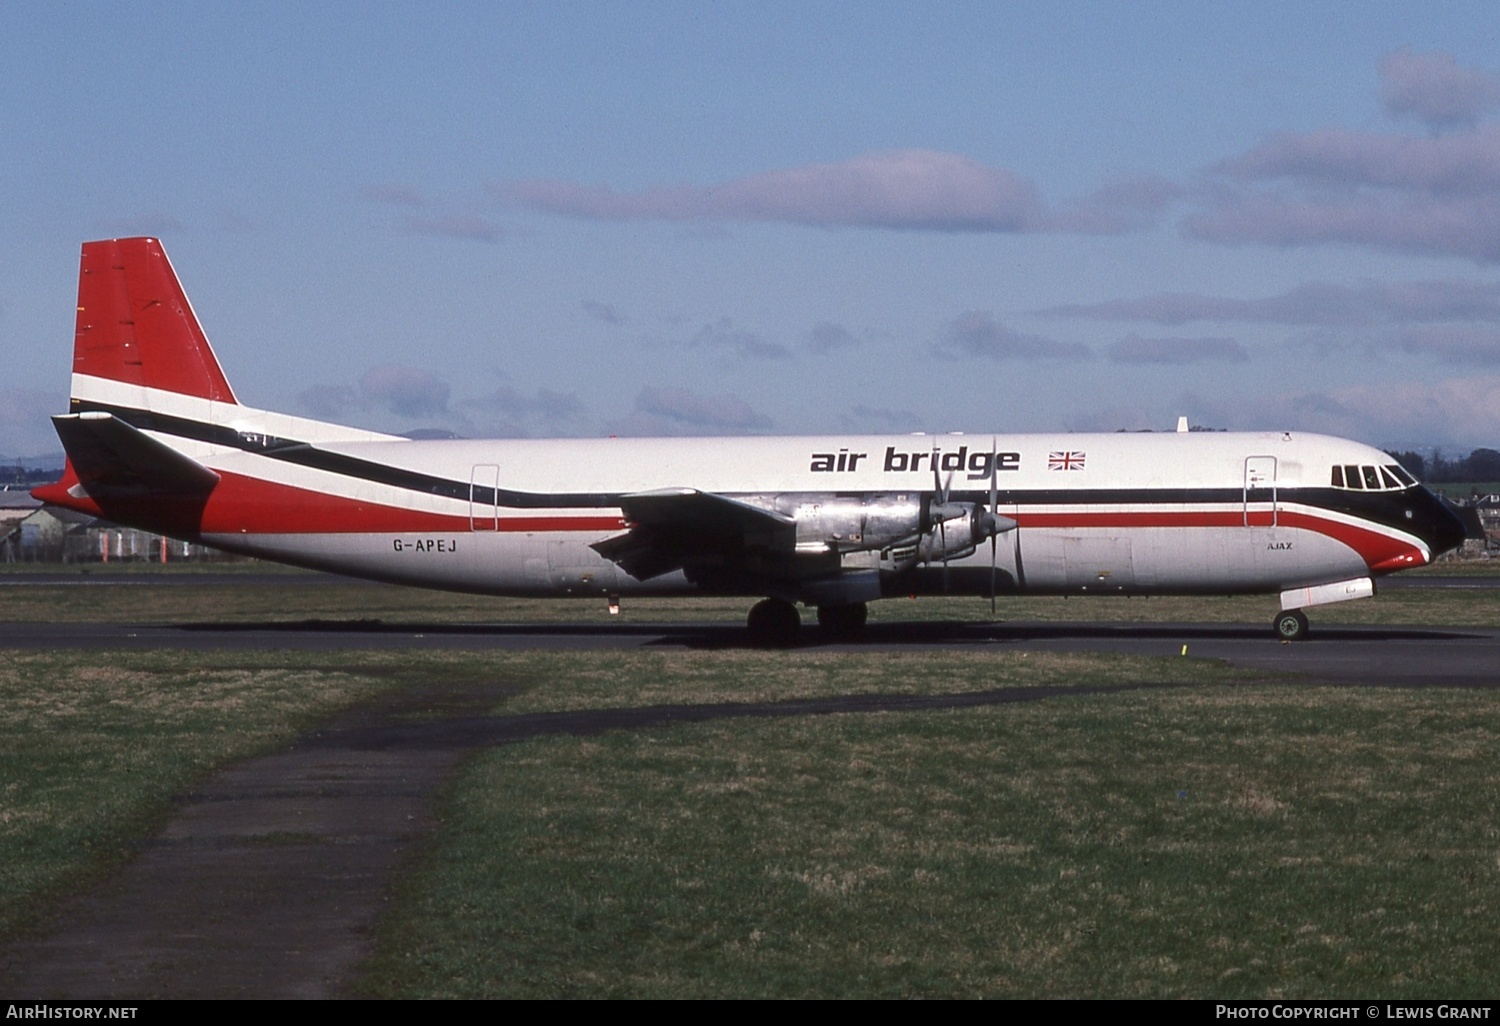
{"x": 671, "y": 527}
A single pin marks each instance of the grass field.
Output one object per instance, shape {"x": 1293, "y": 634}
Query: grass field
{"x": 1217, "y": 841}
{"x": 1218, "y": 833}
{"x": 94, "y": 745}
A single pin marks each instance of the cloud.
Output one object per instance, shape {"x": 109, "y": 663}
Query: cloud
{"x": 978, "y": 334}
{"x": 826, "y": 337}
{"x": 454, "y": 226}
{"x": 677, "y": 411}
{"x": 1434, "y": 90}
{"x": 880, "y": 419}
{"x": 1425, "y": 194}
{"x": 722, "y": 335}
{"x": 1134, "y": 349}
{"x": 553, "y": 412}
{"x": 1463, "y": 411}
{"x": 329, "y": 402}
{"x": 916, "y": 190}
{"x": 1467, "y": 226}
{"x": 601, "y": 312}
{"x": 1460, "y": 164}
{"x": 1126, "y": 206}
{"x": 405, "y": 391}
{"x": 1473, "y": 345}
{"x": 1092, "y": 418}
{"x": 1313, "y": 303}
{"x": 467, "y": 226}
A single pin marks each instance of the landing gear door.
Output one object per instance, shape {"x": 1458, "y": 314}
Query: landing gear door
{"x": 1260, "y": 491}
{"x": 484, "y": 486}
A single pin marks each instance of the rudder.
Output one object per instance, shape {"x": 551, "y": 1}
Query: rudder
{"x": 135, "y": 324}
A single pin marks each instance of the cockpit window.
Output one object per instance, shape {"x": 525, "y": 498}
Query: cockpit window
{"x": 1388, "y": 478}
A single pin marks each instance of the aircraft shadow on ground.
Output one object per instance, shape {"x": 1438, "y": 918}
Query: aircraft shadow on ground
{"x": 473, "y": 732}
{"x": 929, "y": 632}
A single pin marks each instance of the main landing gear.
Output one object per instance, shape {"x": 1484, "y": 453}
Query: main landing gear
{"x": 1290, "y": 625}
{"x": 775, "y": 623}
{"x": 843, "y": 622}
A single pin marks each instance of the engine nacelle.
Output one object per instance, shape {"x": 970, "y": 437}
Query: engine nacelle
{"x": 959, "y": 536}
{"x": 953, "y": 539}
{"x": 901, "y": 528}
{"x": 854, "y": 523}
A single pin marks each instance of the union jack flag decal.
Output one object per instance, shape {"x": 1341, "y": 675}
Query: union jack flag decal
{"x": 1070, "y": 460}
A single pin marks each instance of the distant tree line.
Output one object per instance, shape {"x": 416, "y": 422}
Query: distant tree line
{"x": 18, "y": 475}
{"x": 1479, "y": 465}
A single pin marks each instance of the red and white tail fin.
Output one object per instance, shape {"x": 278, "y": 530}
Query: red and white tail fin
{"x": 136, "y": 326}
{"x": 151, "y": 410}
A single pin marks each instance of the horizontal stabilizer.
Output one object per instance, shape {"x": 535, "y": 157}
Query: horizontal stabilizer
{"x": 113, "y": 458}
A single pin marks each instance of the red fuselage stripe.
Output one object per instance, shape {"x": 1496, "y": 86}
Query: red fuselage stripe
{"x": 246, "y": 505}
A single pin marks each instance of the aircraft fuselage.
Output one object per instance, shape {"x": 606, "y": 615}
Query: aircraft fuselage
{"x": 157, "y": 440}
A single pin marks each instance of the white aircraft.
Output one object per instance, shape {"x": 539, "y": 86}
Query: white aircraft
{"x": 157, "y": 440}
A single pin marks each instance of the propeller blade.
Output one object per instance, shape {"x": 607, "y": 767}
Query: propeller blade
{"x": 994, "y": 477}
{"x": 940, "y": 509}
{"x": 994, "y": 512}
{"x": 943, "y": 541}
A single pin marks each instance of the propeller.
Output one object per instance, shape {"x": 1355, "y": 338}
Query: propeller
{"x": 988, "y": 522}
{"x": 992, "y": 522}
{"x": 942, "y": 512}
{"x": 941, "y": 509}
{"x": 984, "y": 522}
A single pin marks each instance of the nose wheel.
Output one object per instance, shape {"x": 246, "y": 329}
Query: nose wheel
{"x": 1291, "y": 625}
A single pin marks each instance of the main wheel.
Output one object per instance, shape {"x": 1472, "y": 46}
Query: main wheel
{"x": 845, "y": 621}
{"x": 774, "y": 623}
{"x": 1291, "y": 625}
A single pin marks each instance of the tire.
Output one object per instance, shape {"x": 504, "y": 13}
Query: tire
{"x": 1291, "y": 625}
{"x": 774, "y": 623}
{"x": 844, "y": 621}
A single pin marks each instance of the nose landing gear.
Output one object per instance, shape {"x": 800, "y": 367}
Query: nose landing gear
{"x": 1290, "y": 625}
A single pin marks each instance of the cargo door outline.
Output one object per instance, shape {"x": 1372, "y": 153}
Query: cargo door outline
{"x": 1260, "y": 506}
{"x": 484, "y": 491}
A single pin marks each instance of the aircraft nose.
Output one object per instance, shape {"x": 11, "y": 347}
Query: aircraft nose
{"x": 1444, "y": 526}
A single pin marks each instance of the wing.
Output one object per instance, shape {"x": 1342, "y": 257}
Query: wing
{"x": 671, "y": 527}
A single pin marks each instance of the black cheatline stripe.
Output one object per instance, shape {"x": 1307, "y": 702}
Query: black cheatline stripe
{"x": 1384, "y": 508}
{"x": 304, "y": 454}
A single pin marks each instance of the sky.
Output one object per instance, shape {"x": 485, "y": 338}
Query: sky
{"x": 637, "y": 218}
